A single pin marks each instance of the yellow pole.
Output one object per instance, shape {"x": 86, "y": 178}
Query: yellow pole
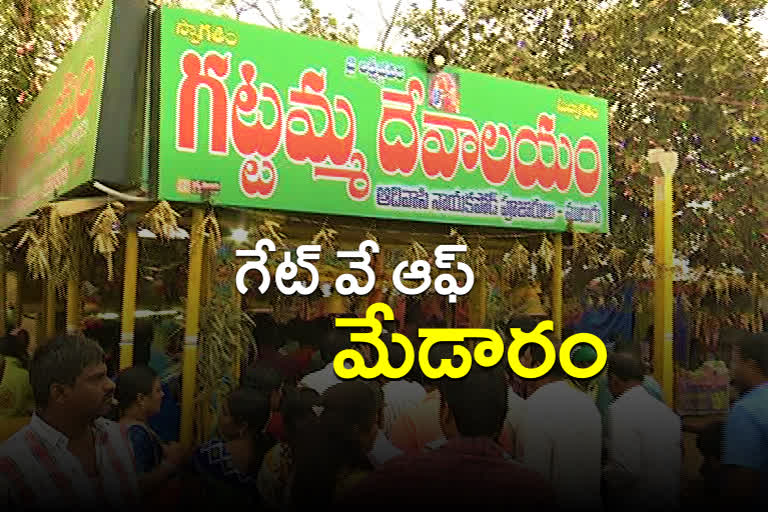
{"x": 20, "y": 296}
{"x": 50, "y": 309}
{"x": 557, "y": 287}
{"x": 237, "y": 360}
{"x": 478, "y": 303}
{"x": 192, "y": 328}
{"x": 74, "y": 304}
{"x": 3, "y": 292}
{"x": 663, "y": 285}
{"x": 128, "y": 316}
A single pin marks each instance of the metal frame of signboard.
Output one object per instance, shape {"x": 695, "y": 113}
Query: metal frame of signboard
{"x": 124, "y": 142}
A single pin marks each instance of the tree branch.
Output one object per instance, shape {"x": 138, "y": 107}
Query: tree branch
{"x": 277, "y": 15}
{"x": 255, "y": 5}
{"x": 390, "y": 25}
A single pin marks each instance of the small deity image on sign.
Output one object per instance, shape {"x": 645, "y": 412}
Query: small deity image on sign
{"x": 444, "y": 92}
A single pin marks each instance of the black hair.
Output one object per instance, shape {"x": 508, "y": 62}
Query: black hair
{"x": 710, "y": 440}
{"x": 61, "y": 361}
{"x": 538, "y": 356}
{"x": 16, "y": 345}
{"x": 263, "y": 377}
{"x": 334, "y": 342}
{"x": 297, "y": 410}
{"x": 477, "y": 401}
{"x": 252, "y": 407}
{"x": 132, "y": 382}
{"x": 626, "y": 367}
{"x": 754, "y": 347}
{"x": 332, "y": 442}
{"x": 107, "y": 335}
{"x": 266, "y": 331}
{"x": 142, "y": 343}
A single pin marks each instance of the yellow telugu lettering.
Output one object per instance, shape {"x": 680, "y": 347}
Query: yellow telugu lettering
{"x": 487, "y": 352}
{"x": 446, "y": 368}
{"x": 382, "y": 366}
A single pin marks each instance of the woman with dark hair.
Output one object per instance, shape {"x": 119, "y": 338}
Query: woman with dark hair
{"x": 226, "y": 469}
{"x": 16, "y": 398}
{"x": 139, "y": 396}
{"x": 277, "y": 469}
{"x": 331, "y": 455}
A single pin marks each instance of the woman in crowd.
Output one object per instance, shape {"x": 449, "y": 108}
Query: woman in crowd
{"x": 139, "y": 396}
{"x": 277, "y": 469}
{"x": 225, "y": 470}
{"x": 16, "y": 399}
{"x": 331, "y": 456}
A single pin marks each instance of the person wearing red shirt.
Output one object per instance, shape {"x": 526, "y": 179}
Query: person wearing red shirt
{"x": 470, "y": 467}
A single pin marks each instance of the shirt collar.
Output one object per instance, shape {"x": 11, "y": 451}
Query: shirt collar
{"x": 478, "y": 446}
{"x": 53, "y": 437}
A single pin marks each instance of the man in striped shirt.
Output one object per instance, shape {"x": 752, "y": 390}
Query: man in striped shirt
{"x": 69, "y": 456}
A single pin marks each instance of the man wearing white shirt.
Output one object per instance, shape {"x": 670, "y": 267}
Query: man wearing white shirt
{"x": 560, "y": 437}
{"x": 336, "y": 341}
{"x": 644, "y": 441}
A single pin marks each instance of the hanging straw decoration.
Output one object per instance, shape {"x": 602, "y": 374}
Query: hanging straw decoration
{"x": 37, "y": 253}
{"x": 460, "y": 240}
{"x": 105, "y": 239}
{"x": 615, "y": 257}
{"x": 325, "y": 238}
{"x": 546, "y": 253}
{"x": 272, "y": 230}
{"x": 212, "y": 230}
{"x": 517, "y": 264}
{"x": 162, "y": 220}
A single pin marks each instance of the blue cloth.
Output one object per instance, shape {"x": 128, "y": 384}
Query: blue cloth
{"x": 167, "y": 422}
{"x": 609, "y": 324}
{"x": 159, "y": 362}
{"x": 746, "y": 436}
{"x": 147, "y": 450}
{"x": 681, "y": 333}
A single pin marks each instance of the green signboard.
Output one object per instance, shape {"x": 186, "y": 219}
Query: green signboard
{"x": 52, "y": 149}
{"x": 259, "y": 118}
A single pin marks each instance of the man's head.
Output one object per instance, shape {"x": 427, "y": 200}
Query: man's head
{"x": 475, "y": 405}
{"x": 750, "y": 360}
{"x": 266, "y": 379}
{"x": 69, "y": 376}
{"x": 625, "y": 371}
{"x": 335, "y": 341}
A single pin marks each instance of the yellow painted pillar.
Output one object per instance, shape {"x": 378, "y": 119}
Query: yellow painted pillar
{"x": 478, "y": 303}
{"x": 19, "y": 305}
{"x": 50, "y": 309}
{"x": 663, "y": 286}
{"x": 3, "y": 291}
{"x": 128, "y": 315}
{"x": 557, "y": 286}
{"x": 237, "y": 360}
{"x": 74, "y": 302}
{"x": 192, "y": 328}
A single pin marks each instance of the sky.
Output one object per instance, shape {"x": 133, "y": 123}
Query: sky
{"x": 372, "y": 15}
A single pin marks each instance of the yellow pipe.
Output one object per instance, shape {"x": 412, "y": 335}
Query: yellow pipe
{"x": 50, "y": 309}
{"x": 74, "y": 304}
{"x": 192, "y": 328}
{"x": 3, "y": 292}
{"x": 128, "y": 316}
{"x": 20, "y": 297}
{"x": 663, "y": 291}
{"x": 237, "y": 360}
{"x": 557, "y": 287}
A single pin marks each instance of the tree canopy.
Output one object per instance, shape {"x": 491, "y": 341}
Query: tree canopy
{"x": 684, "y": 75}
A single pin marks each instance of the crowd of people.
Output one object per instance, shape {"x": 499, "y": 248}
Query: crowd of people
{"x": 293, "y": 434}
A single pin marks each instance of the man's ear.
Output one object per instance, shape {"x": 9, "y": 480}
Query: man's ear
{"x": 446, "y": 416}
{"x": 58, "y": 393}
